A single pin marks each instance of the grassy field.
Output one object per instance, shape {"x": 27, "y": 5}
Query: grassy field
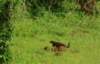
{"x": 30, "y": 36}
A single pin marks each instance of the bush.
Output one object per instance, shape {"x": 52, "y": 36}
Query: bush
{"x": 5, "y": 31}
{"x": 35, "y": 6}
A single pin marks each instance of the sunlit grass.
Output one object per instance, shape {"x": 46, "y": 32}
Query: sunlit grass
{"x": 30, "y": 36}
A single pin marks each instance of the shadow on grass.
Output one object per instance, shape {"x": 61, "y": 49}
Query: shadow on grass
{"x": 5, "y": 31}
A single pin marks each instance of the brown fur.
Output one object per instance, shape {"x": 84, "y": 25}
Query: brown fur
{"x": 58, "y": 46}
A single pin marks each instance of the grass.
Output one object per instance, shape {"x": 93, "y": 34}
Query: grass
{"x": 29, "y": 36}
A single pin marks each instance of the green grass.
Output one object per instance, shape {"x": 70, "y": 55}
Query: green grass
{"x": 29, "y": 36}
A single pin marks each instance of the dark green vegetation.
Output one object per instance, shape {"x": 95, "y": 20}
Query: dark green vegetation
{"x": 5, "y": 31}
{"x": 34, "y": 25}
